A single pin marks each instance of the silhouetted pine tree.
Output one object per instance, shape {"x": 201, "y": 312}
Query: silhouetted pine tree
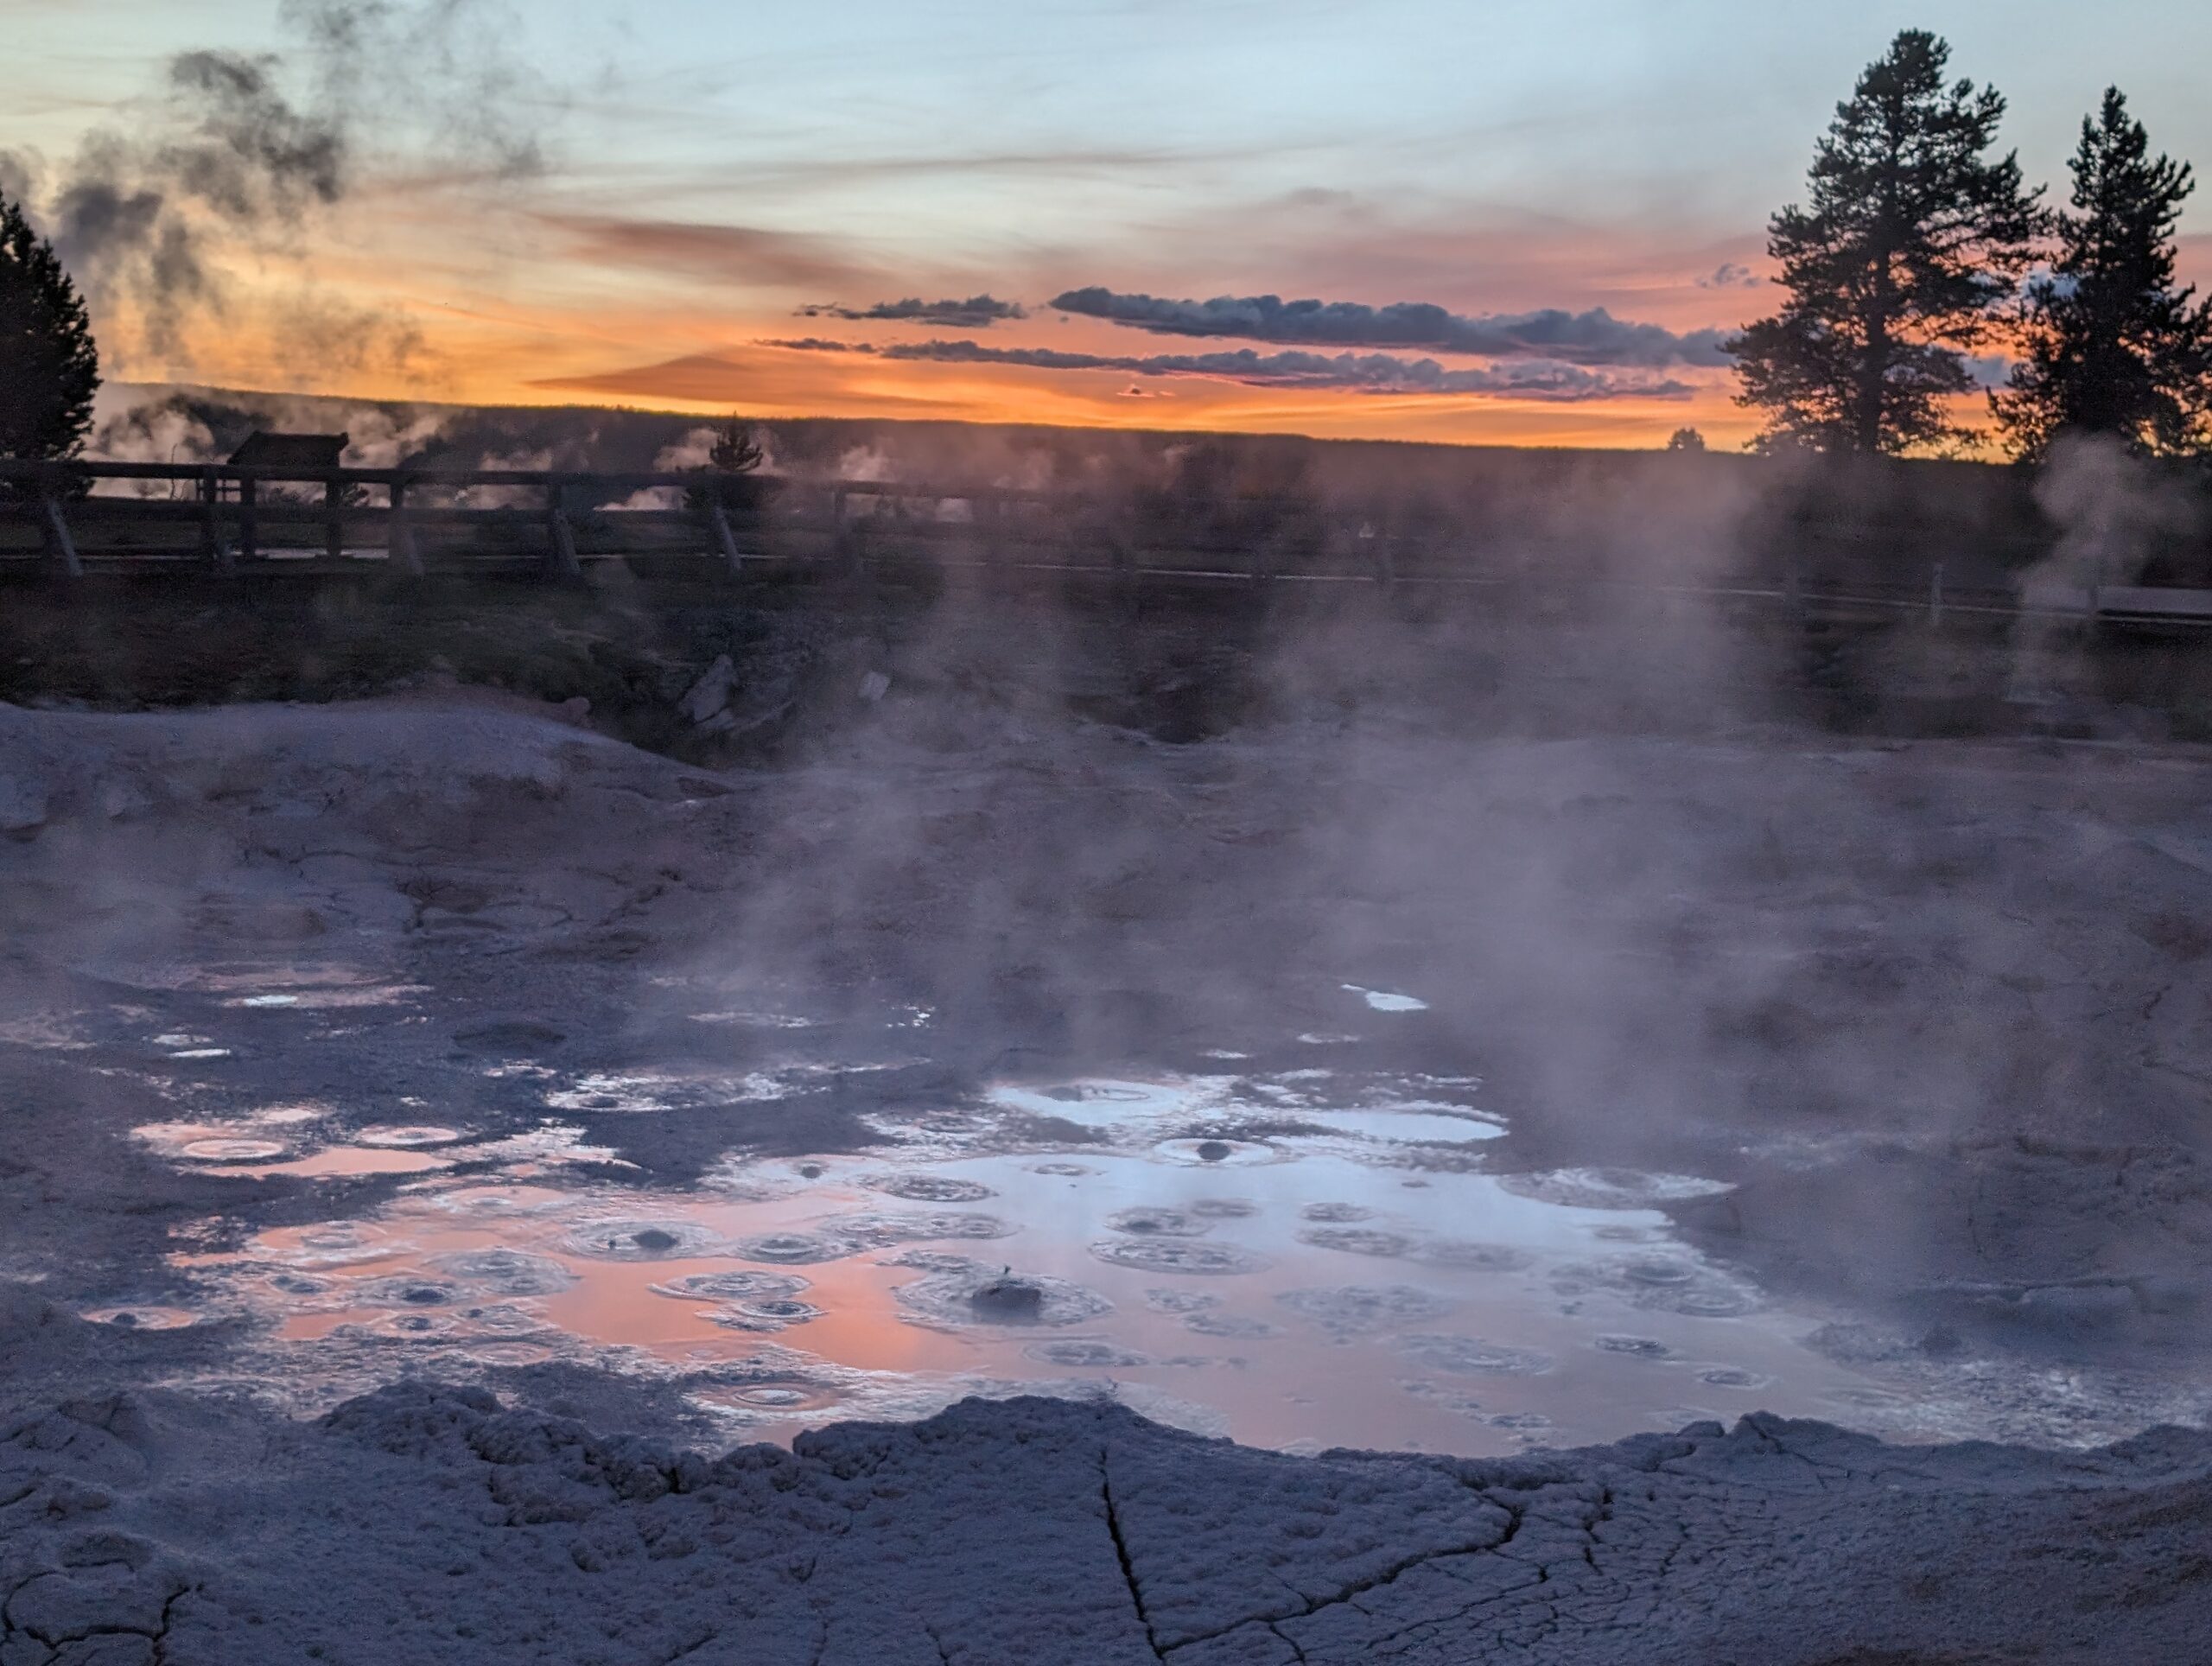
{"x": 49, "y": 368}
{"x": 1913, "y": 243}
{"x": 733, "y": 458}
{"x": 2111, "y": 345}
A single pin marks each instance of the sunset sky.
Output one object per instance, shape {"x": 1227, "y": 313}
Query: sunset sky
{"x": 591, "y": 200}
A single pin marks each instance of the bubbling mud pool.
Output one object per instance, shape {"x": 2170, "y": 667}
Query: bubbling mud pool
{"x": 1289, "y": 1261}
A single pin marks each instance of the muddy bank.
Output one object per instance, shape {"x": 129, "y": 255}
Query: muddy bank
{"x": 739, "y": 672}
{"x": 426, "y": 1525}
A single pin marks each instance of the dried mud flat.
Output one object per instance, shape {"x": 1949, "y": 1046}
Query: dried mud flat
{"x": 1931, "y": 1023}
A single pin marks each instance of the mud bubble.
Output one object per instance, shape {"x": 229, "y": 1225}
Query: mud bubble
{"x": 1081, "y": 1354}
{"x": 505, "y": 1272}
{"x": 1160, "y": 1221}
{"x": 944, "y": 1296}
{"x": 650, "y": 1239}
{"x": 733, "y": 1286}
{"x": 764, "y": 1315}
{"x": 1470, "y": 1257}
{"x": 1336, "y": 1214}
{"x": 1610, "y": 1188}
{"x": 406, "y": 1139}
{"x": 1357, "y": 1308}
{"x": 234, "y": 1150}
{"x": 1357, "y": 1241}
{"x": 1179, "y": 1255}
{"x": 928, "y": 1188}
{"x": 879, "y": 1230}
{"x": 1471, "y": 1355}
{"x": 793, "y": 1249}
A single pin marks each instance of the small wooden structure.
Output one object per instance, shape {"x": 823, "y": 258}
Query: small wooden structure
{"x": 289, "y": 457}
{"x": 313, "y": 454}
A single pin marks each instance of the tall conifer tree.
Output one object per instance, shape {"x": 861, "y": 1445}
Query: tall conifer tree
{"x": 49, "y": 368}
{"x": 2111, "y": 345}
{"x": 1914, "y": 242}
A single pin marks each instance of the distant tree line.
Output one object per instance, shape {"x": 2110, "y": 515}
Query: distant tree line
{"x": 1918, "y": 245}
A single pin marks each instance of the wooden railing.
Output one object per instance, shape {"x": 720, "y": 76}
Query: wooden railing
{"x": 67, "y": 518}
{"x": 238, "y": 514}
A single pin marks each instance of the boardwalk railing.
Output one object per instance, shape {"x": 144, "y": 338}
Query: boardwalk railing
{"x": 69, "y": 519}
{"x": 223, "y": 514}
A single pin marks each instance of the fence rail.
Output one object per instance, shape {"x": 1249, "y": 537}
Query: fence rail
{"x": 68, "y": 519}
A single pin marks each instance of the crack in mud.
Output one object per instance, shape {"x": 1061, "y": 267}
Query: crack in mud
{"x": 1121, "y": 1552}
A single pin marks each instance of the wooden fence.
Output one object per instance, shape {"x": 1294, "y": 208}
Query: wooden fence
{"x": 65, "y": 520}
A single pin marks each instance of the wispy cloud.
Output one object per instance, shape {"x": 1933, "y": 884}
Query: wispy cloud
{"x": 733, "y": 254}
{"x": 978, "y": 312}
{"x": 1591, "y": 338}
{"x": 1371, "y": 372}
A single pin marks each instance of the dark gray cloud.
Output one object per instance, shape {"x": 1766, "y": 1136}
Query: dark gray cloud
{"x": 978, "y": 312}
{"x": 1371, "y": 373}
{"x": 1730, "y": 275}
{"x": 251, "y": 147}
{"x": 1594, "y": 337}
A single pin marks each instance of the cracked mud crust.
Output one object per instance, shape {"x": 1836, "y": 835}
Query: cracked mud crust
{"x": 422, "y": 1524}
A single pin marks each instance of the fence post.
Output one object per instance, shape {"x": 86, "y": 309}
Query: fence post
{"x": 1386, "y": 555}
{"x": 402, "y": 548}
{"x": 59, "y": 545}
{"x": 333, "y": 517}
{"x": 561, "y": 537}
{"x": 1936, "y": 598}
{"x": 844, "y": 541}
{"x": 725, "y": 539}
{"x": 249, "y": 528}
{"x": 211, "y": 530}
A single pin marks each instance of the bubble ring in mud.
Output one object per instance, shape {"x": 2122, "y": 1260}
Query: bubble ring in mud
{"x": 733, "y": 1286}
{"x": 233, "y": 1151}
{"x": 658, "y": 1238}
{"x": 766, "y": 1315}
{"x": 880, "y": 1229}
{"x": 405, "y": 1139}
{"x": 1706, "y": 1301}
{"x": 1071, "y": 1171}
{"x": 1635, "y": 1347}
{"x": 415, "y": 1325}
{"x": 143, "y": 1319}
{"x": 505, "y": 1272}
{"x": 1471, "y": 1355}
{"x": 1357, "y": 1241}
{"x": 1476, "y": 1257}
{"x": 1734, "y": 1377}
{"x": 1159, "y": 1221}
{"x": 793, "y": 1249}
{"x": 1083, "y": 1354}
{"x": 1223, "y": 1209}
{"x": 1181, "y": 1301}
{"x": 1205, "y": 1153}
{"x": 1179, "y": 1255}
{"x": 928, "y": 1188}
{"x": 944, "y": 1296}
{"x": 1237, "y": 1327}
{"x": 1363, "y": 1308}
{"x": 417, "y": 1291}
{"x": 1610, "y": 1188}
{"x": 1336, "y": 1214}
